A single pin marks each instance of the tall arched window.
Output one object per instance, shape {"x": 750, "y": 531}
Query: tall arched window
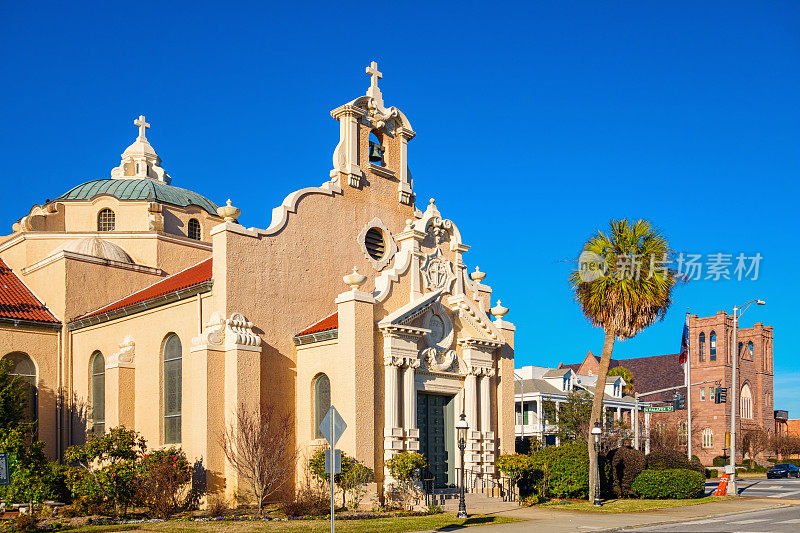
{"x": 712, "y": 346}
{"x": 322, "y": 401}
{"x": 746, "y": 408}
{"x": 173, "y": 382}
{"x": 193, "y": 229}
{"x": 708, "y": 438}
{"x": 105, "y": 220}
{"x": 750, "y": 349}
{"x": 98, "y": 368}
{"x": 701, "y": 346}
{"x": 20, "y": 364}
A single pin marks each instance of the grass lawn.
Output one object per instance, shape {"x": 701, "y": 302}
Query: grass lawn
{"x": 628, "y": 506}
{"x": 412, "y": 523}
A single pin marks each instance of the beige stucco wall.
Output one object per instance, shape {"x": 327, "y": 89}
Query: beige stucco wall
{"x": 43, "y": 348}
{"x": 149, "y": 330}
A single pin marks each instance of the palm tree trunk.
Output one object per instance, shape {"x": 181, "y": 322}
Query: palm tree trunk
{"x": 597, "y": 406}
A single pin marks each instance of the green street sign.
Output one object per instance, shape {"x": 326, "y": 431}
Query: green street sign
{"x": 5, "y": 475}
{"x": 660, "y": 409}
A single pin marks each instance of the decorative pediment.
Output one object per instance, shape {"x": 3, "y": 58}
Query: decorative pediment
{"x": 411, "y": 310}
{"x": 469, "y": 313}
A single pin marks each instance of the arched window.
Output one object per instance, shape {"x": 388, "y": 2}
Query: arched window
{"x": 746, "y": 407}
{"x": 322, "y": 401}
{"x": 376, "y": 150}
{"x": 105, "y": 220}
{"x": 20, "y": 364}
{"x": 741, "y": 349}
{"x": 98, "y": 393}
{"x": 708, "y": 438}
{"x": 750, "y": 349}
{"x": 193, "y": 230}
{"x": 173, "y": 382}
{"x": 712, "y": 346}
{"x": 701, "y": 347}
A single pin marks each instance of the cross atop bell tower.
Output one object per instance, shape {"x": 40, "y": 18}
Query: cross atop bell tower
{"x": 142, "y": 127}
{"x": 374, "y": 75}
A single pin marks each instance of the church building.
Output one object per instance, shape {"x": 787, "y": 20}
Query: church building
{"x": 131, "y": 301}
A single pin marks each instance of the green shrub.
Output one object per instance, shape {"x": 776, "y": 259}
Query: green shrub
{"x": 33, "y": 477}
{"x": 719, "y": 461}
{"x": 104, "y": 472}
{"x": 711, "y": 473}
{"x": 565, "y": 469}
{"x": 677, "y": 483}
{"x": 626, "y": 464}
{"x": 163, "y": 476}
{"x": 664, "y": 459}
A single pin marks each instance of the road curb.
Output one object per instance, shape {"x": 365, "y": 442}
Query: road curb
{"x": 718, "y": 515}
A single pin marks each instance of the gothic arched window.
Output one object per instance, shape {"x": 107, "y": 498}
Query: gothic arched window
{"x": 322, "y": 401}
{"x": 708, "y": 438}
{"x": 193, "y": 230}
{"x": 20, "y": 364}
{"x": 750, "y": 349}
{"x": 701, "y": 346}
{"x": 712, "y": 346}
{"x": 173, "y": 382}
{"x": 746, "y": 409}
{"x": 98, "y": 393}
{"x": 105, "y": 220}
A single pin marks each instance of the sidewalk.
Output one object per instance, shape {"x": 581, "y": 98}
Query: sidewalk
{"x": 558, "y": 521}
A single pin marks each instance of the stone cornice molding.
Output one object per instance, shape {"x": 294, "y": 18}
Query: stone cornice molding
{"x": 411, "y": 332}
{"x": 478, "y": 370}
{"x": 234, "y": 333}
{"x": 401, "y": 361}
{"x": 66, "y": 254}
{"x": 125, "y": 357}
{"x": 480, "y": 344}
{"x": 348, "y": 110}
{"x": 475, "y": 317}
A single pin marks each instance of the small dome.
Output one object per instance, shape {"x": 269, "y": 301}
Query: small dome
{"x": 95, "y": 247}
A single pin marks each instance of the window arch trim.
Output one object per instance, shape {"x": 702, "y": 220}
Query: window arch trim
{"x": 321, "y": 393}
{"x": 106, "y": 220}
{"x": 97, "y": 391}
{"x": 171, "y": 388}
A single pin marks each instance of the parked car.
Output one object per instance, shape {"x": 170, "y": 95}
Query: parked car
{"x": 783, "y": 470}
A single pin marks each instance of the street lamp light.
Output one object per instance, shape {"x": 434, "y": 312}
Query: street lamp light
{"x": 596, "y": 431}
{"x": 737, "y": 312}
{"x": 461, "y": 427}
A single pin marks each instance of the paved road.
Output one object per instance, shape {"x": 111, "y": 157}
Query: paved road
{"x": 765, "y": 488}
{"x": 785, "y": 520}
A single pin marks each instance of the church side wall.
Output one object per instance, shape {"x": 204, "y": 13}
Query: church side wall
{"x": 42, "y": 345}
{"x": 148, "y": 330}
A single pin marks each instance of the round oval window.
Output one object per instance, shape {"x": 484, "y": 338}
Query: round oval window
{"x": 375, "y": 243}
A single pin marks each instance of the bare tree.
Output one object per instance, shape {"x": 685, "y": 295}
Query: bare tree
{"x": 754, "y": 442}
{"x": 259, "y": 448}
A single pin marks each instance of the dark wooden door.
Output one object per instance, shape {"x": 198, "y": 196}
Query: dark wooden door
{"x": 435, "y": 421}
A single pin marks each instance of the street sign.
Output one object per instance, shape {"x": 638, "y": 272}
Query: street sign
{"x": 660, "y": 409}
{"x": 336, "y": 464}
{"x": 5, "y": 474}
{"x": 332, "y": 426}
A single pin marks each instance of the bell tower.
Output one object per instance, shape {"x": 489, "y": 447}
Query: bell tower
{"x": 385, "y": 153}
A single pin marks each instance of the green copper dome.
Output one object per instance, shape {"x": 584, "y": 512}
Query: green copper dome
{"x": 139, "y": 189}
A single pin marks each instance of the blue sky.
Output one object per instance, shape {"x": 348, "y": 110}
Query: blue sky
{"x": 536, "y": 123}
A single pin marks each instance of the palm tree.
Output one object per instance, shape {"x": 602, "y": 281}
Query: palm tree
{"x": 631, "y": 292}
{"x": 625, "y": 374}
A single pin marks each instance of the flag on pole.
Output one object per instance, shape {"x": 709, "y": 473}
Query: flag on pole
{"x": 684, "y": 357}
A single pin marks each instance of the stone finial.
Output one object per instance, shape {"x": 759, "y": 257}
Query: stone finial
{"x": 143, "y": 125}
{"x": 477, "y": 275}
{"x": 374, "y": 76}
{"x": 354, "y": 279}
{"x": 409, "y": 226}
{"x": 229, "y": 212}
{"x": 498, "y": 310}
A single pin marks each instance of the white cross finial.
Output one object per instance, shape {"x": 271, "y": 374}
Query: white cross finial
{"x": 374, "y": 74}
{"x": 142, "y": 127}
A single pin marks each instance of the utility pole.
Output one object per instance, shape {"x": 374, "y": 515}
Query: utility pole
{"x": 688, "y": 390}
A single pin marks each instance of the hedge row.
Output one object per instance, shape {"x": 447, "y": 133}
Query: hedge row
{"x": 677, "y": 484}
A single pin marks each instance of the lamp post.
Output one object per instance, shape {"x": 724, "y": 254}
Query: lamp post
{"x": 596, "y": 431}
{"x": 461, "y": 427}
{"x": 737, "y": 312}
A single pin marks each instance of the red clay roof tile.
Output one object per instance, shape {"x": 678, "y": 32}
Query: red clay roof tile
{"x": 17, "y": 301}
{"x": 195, "y": 275}
{"x": 326, "y": 324}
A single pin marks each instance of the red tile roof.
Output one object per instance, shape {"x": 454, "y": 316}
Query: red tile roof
{"x": 18, "y": 302}
{"x": 326, "y": 324}
{"x": 195, "y": 275}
